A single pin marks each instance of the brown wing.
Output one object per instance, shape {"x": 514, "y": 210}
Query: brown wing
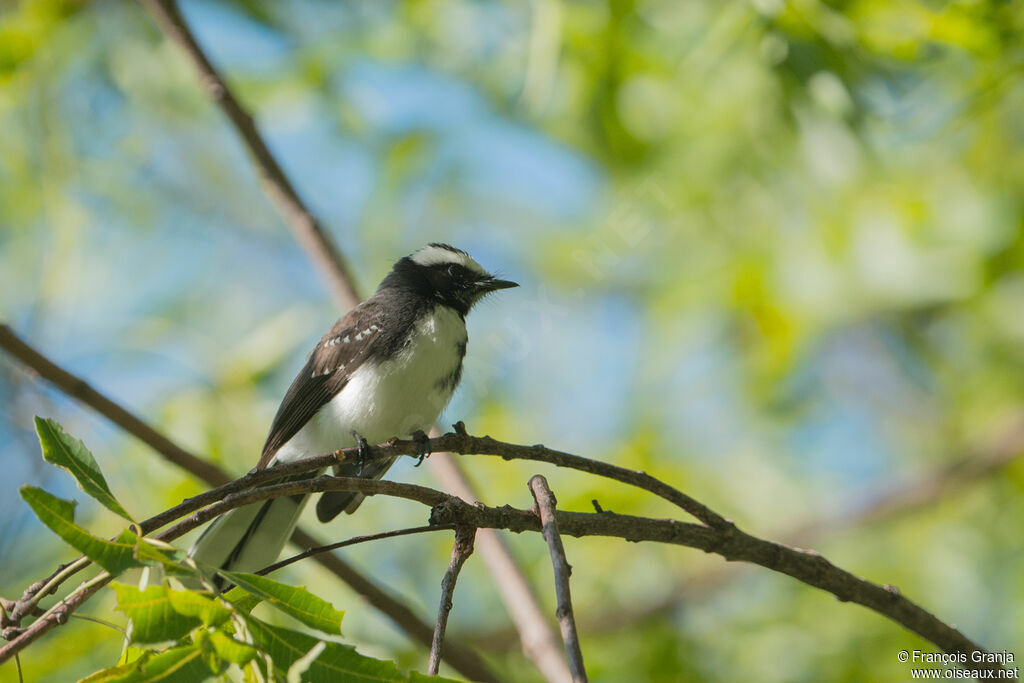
{"x": 348, "y": 344}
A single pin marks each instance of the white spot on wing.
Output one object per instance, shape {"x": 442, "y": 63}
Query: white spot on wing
{"x": 389, "y": 398}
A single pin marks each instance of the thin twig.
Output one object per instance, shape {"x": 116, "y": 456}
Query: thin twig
{"x": 537, "y": 639}
{"x": 307, "y": 229}
{"x": 566, "y": 621}
{"x": 102, "y": 622}
{"x": 462, "y": 548}
{"x": 55, "y": 616}
{"x": 355, "y": 540}
{"x": 465, "y": 661}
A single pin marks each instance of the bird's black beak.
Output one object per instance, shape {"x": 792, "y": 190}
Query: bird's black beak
{"x": 491, "y": 284}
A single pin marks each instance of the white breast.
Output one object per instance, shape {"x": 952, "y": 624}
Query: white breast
{"x": 394, "y": 397}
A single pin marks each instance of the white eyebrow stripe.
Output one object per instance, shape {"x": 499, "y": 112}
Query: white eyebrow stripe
{"x": 431, "y": 255}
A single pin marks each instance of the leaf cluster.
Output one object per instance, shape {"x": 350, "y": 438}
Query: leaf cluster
{"x": 181, "y": 629}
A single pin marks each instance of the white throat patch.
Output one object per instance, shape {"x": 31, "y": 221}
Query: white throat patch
{"x": 433, "y": 254}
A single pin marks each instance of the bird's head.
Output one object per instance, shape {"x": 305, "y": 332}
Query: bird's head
{"x": 445, "y": 274}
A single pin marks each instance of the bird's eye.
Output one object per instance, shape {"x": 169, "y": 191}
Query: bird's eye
{"x": 453, "y": 271}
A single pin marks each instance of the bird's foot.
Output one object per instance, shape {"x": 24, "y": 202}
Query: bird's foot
{"x": 362, "y": 451}
{"x": 422, "y": 446}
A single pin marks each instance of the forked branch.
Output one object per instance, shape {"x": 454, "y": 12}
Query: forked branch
{"x": 566, "y": 621}
{"x": 462, "y": 548}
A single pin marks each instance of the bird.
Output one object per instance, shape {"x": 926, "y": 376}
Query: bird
{"x": 385, "y": 369}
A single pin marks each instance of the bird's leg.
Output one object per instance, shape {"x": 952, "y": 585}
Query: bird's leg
{"x": 362, "y": 451}
{"x": 422, "y": 446}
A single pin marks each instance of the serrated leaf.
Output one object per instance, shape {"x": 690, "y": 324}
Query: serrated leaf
{"x": 176, "y": 665}
{"x": 70, "y": 454}
{"x": 191, "y": 603}
{"x": 295, "y": 601}
{"x": 154, "y": 620}
{"x": 336, "y": 663}
{"x": 231, "y": 650}
{"x": 59, "y": 515}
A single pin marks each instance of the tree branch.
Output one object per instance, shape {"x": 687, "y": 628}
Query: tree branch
{"x": 355, "y": 540}
{"x": 733, "y": 544}
{"x": 990, "y": 456}
{"x": 535, "y": 636}
{"x": 462, "y": 548}
{"x": 304, "y": 225}
{"x": 463, "y": 660}
{"x": 53, "y": 617}
{"x": 461, "y": 442}
{"x": 567, "y": 622}
{"x": 77, "y": 388}
{"x": 806, "y": 566}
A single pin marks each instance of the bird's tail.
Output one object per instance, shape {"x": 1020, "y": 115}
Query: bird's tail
{"x": 332, "y": 503}
{"x": 249, "y": 538}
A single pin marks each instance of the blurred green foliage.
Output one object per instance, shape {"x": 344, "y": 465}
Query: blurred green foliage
{"x": 772, "y": 253}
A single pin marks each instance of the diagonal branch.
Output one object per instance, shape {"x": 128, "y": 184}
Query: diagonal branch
{"x": 307, "y": 229}
{"x": 539, "y": 643}
{"x": 461, "y": 442}
{"x": 77, "y": 388}
{"x": 465, "y": 661}
{"x": 991, "y": 455}
{"x": 355, "y": 540}
{"x": 55, "y": 616}
{"x": 567, "y": 622}
{"x": 462, "y": 548}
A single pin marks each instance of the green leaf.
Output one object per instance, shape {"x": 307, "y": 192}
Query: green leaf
{"x": 59, "y": 515}
{"x": 231, "y": 650}
{"x": 336, "y": 663}
{"x": 295, "y": 601}
{"x": 120, "y": 672}
{"x": 154, "y": 619}
{"x": 191, "y": 603}
{"x": 176, "y": 665}
{"x": 242, "y": 600}
{"x": 151, "y": 551}
{"x": 70, "y": 454}
{"x": 201, "y": 639}
{"x": 417, "y": 677}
